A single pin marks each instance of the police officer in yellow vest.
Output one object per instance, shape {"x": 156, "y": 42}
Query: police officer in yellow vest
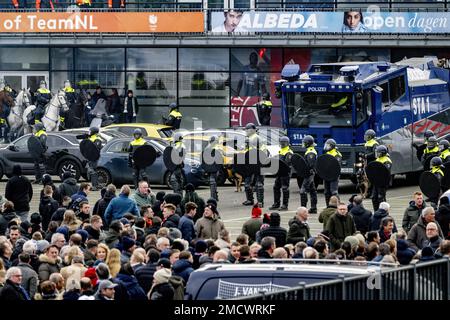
{"x": 307, "y": 184}
{"x": 43, "y": 97}
{"x": 379, "y": 193}
{"x": 369, "y": 150}
{"x": 39, "y": 166}
{"x": 340, "y": 105}
{"x": 71, "y": 97}
{"x": 214, "y": 145}
{"x": 254, "y": 142}
{"x": 174, "y": 119}
{"x": 331, "y": 187}
{"x": 432, "y": 150}
{"x": 282, "y": 182}
{"x": 176, "y": 179}
{"x": 438, "y": 170}
{"x": 92, "y": 165}
{"x": 138, "y": 172}
{"x": 264, "y": 109}
{"x": 444, "y": 147}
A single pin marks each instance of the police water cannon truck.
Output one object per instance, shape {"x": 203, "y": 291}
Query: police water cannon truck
{"x": 400, "y": 101}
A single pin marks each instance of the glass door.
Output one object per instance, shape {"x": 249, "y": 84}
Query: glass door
{"x": 21, "y": 80}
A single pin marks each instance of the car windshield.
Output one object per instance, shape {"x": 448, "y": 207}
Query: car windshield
{"x": 319, "y": 108}
{"x": 165, "y": 133}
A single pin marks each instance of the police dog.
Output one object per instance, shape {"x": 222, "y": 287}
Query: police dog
{"x": 236, "y": 177}
{"x": 362, "y": 182}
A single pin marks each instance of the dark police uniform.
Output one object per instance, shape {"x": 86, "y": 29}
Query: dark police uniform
{"x": 331, "y": 187}
{"x": 92, "y": 165}
{"x": 176, "y": 179}
{"x": 39, "y": 166}
{"x": 282, "y": 182}
{"x": 255, "y": 181}
{"x": 43, "y": 97}
{"x": 308, "y": 185}
{"x": 138, "y": 172}
{"x": 379, "y": 193}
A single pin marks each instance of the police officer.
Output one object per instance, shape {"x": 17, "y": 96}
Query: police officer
{"x": 438, "y": 170}
{"x": 307, "y": 184}
{"x": 214, "y": 145}
{"x": 6, "y": 109}
{"x": 444, "y": 147}
{"x": 71, "y": 99}
{"x": 176, "y": 179}
{"x": 370, "y": 145}
{"x": 282, "y": 182}
{"x": 264, "y": 109}
{"x": 43, "y": 97}
{"x": 431, "y": 150}
{"x": 379, "y": 193}
{"x": 331, "y": 187}
{"x": 92, "y": 165}
{"x": 254, "y": 143}
{"x": 39, "y": 166}
{"x": 174, "y": 119}
{"x": 138, "y": 172}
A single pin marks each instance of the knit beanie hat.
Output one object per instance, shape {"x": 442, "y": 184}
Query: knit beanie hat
{"x": 162, "y": 275}
{"x": 256, "y": 211}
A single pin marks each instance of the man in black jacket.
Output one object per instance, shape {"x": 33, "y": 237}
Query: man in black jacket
{"x": 274, "y": 230}
{"x": 69, "y": 186}
{"x": 361, "y": 215}
{"x": 298, "y": 227}
{"x": 13, "y": 291}
{"x": 144, "y": 275}
{"x": 19, "y": 191}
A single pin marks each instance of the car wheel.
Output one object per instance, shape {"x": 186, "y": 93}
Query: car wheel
{"x": 71, "y": 166}
{"x": 104, "y": 177}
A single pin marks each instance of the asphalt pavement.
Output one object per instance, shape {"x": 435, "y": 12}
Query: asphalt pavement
{"x": 234, "y": 214}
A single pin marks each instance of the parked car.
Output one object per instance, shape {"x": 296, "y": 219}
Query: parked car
{"x": 103, "y": 135}
{"x": 148, "y": 129}
{"x": 63, "y": 154}
{"x": 113, "y": 165}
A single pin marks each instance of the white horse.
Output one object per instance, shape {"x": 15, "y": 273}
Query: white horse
{"x": 17, "y": 127}
{"x": 50, "y": 120}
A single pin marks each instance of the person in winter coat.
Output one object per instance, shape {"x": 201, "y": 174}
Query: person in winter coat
{"x": 101, "y": 205}
{"x": 417, "y": 236}
{"x": 75, "y": 271}
{"x": 340, "y": 225}
{"x": 298, "y": 227}
{"x": 112, "y": 236}
{"x": 192, "y": 196}
{"x": 360, "y": 215}
{"x": 19, "y": 191}
{"x": 47, "y": 206}
{"x": 386, "y": 229}
{"x": 126, "y": 276}
{"x": 115, "y": 107}
{"x": 143, "y": 196}
{"x": 253, "y": 225}
{"x": 47, "y": 181}
{"x": 186, "y": 224}
{"x": 413, "y": 212}
{"x": 379, "y": 215}
{"x": 404, "y": 253}
{"x": 8, "y": 213}
{"x": 120, "y": 206}
{"x": 433, "y": 239}
{"x": 30, "y": 278}
{"x": 274, "y": 230}
{"x": 130, "y": 107}
{"x": 50, "y": 263}
{"x": 331, "y": 209}
{"x": 183, "y": 267}
{"x": 144, "y": 275}
{"x": 443, "y": 216}
{"x": 209, "y": 226}
{"x": 171, "y": 219}
{"x": 13, "y": 291}
{"x": 68, "y": 187}
{"x": 161, "y": 289}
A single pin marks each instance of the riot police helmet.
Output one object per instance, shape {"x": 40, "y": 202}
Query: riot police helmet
{"x": 67, "y": 84}
{"x": 177, "y": 137}
{"x": 330, "y": 144}
{"x": 308, "y": 141}
{"x": 250, "y": 129}
{"x": 432, "y": 142}
{"x": 266, "y": 96}
{"x": 284, "y": 141}
{"x": 93, "y": 130}
{"x": 213, "y": 139}
{"x": 444, "y": 144}
{"x": 39, "y": 126}
{"x": 173, "y": 106}
{"x": 428, "y": 134}
{"x": 436, "y": 162}
{"x": 42, "y": 84}
{"x": 381, "y": 151}
{"x": 369, "y": 135}
{"x": 137, "y": 133}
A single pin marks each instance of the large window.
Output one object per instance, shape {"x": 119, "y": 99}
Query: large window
{"x": 152, "y": 59}
{"x": 62, "y": 58}
{"x": 153, "y": 88}
{"x": 203, "y": 88}
{"x": 24, "y": 59}
{"x": 105, "y": 59}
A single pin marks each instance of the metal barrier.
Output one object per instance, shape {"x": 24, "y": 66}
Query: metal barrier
{"x": 419, "y": 281}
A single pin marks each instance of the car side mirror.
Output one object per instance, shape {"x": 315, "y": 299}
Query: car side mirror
{"x": 12, "y": 147}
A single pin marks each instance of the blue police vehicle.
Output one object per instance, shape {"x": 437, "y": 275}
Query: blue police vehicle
{"x": 400, "y": 101}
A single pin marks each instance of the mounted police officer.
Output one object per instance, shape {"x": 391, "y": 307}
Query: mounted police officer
{"x": 71, "y": 97}
{"x": 43, "y": 97}
{"x": 282, "y": 182}
{"x": 138, "y": 172}
{"x": 176, "y": 179}
{"x": 254, "y": 143}
{"x": 379, "y": 193}
{"x": 39, "y": 165}
{"x": 214, "y": 145}
{"x": 264, "y": 109}
{"x": 174, "y": 119}
{"x": 92, "y": 165}
{"x": 437, "y": 169}
{"x": 6, "y": 109}
{"x": 307, "y": 184}
{"x": 444, "y": 148}
{"x": 431, "y": 150}
{"x": 331, "y": 187}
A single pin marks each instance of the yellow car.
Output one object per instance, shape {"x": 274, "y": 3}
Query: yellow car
{"x": 148, "y": 129}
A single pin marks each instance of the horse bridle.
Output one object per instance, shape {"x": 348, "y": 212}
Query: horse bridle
{"x": 62, "y": 104}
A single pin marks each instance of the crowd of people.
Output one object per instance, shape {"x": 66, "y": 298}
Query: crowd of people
{"x": 137, "y": 245}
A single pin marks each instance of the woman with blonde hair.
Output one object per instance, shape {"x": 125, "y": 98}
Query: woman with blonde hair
{"x": 102, "y": 253}
{"x": 70, "y": 220}
{"x": 113, "y": 262}
{"x": 70, "y": 253}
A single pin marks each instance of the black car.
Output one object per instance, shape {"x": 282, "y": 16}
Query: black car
{"x": 63, "y": 154}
